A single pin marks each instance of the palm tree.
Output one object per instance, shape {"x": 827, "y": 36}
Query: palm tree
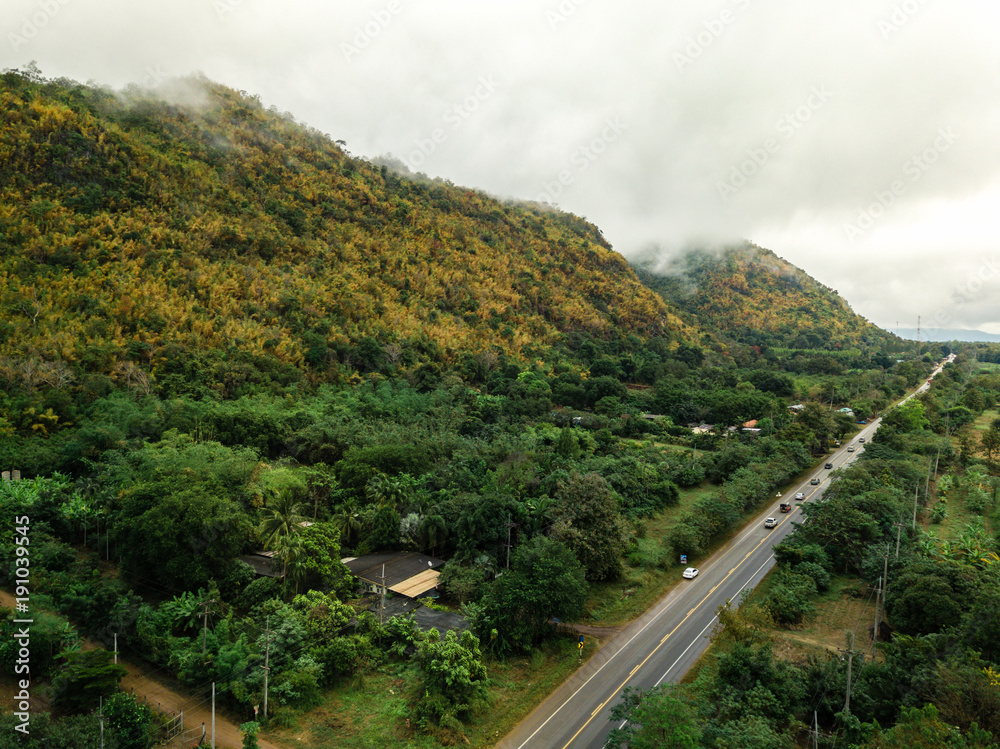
{"x": 385, "y": 490}
{"x": 347, "y": 521}
{"x": 538, "y": 513}
{"x": 294, "y": 556}
{"x": 282, "y": 518}
{"x": 433, "y": 531}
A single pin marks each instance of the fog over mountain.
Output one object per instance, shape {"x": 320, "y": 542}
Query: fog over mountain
{"x": 856, "y": 140}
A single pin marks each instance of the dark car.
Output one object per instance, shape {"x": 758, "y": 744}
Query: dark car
{"x": 828, "y": 465}
{"x": 814, "y": 482}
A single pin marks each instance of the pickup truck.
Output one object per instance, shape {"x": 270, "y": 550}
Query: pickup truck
{"x": 786, "y": 506}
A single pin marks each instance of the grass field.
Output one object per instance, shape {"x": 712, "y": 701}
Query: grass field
{"x": 372, "y": 712}
{"x": 847, "y": 607}
{"x": 958, "y": 515}
{"x": 986, "y": 419}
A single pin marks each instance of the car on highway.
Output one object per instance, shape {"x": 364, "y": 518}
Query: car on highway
{"x": 800, "y": 495}
{"x": 814, "y": 482}
{"x": 690, "y": 573}
{"x": 786, "y": 506}
{"x": 770, "y": 523}
{"x": 828, "y": 466}
{"x": 861, "y": 439}
{"x": 850, "y": 448}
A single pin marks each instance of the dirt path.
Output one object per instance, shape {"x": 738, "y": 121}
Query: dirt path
{"x": 227, "y": 733}
{"x": 601, "y": 633}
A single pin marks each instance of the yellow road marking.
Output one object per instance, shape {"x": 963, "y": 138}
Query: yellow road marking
{"x": 650, "y": 655}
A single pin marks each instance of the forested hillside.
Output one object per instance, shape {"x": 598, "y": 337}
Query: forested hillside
{"x": 142, "y": 231}
{"x": 224, "y": 337}
{"x": 750, "y": 294}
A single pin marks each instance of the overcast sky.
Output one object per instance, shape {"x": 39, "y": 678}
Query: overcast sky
{"x": 856, "y": 139}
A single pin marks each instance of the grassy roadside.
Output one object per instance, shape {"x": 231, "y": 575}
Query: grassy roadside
{"x": 371, "y": 712}
{"x": 848, "y": 606}
{"x": 649, "y": 573}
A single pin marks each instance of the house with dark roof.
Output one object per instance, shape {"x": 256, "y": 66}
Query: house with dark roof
{"x": 425, "y": 618}
{"x": 262, "y": 563}
{"x": 408, "y": 573}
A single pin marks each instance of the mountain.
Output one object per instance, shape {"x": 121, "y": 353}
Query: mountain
{"x": 750, "y": 295}
{"x": 945, "y": 335}
{"x": 148, "y": 230}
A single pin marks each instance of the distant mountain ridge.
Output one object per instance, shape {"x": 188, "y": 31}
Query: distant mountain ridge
{"x": 944, "y": 335}
{"x": 749, "y": 294}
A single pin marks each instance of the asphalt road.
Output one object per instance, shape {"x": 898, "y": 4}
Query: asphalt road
{"x": 662, "y": 644}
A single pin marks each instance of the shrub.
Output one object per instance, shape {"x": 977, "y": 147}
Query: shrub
{"x": 260, "y": 590}
{"x": 816, "y": 572}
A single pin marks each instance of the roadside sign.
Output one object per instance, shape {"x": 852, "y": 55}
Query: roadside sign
{"x": 684, "y": 558}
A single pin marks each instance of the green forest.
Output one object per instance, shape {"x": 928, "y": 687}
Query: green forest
{"x": 757, "y": 298}
{"x": 222, "y": 334}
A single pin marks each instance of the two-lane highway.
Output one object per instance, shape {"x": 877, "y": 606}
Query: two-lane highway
{"x": 662, "y": 644}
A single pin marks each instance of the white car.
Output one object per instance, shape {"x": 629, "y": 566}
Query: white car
{"x": 690, "y": 573}
{"x": 770, "y": 523}
{"x": 800, "y": 495}
{"x": 850, "y": 449}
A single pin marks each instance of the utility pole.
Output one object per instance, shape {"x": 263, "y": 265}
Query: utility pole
{"x": 204, "y": 629}
{"x": 883, "y": 584}
{"x": 899, "y": 530}
{"x": 116, "y": 649}
{"x": 213, "y": 715}
{"x": 850, "y": 662}
{"x": 267, "y": 661}
{"x": 878, "y": 596}
{"x": 381, "y": 606}
{"x": 815, "y": 730}
{"x": 509, "y": 526}
{"x": 100, "y": 715}
{"x": 916, "y": 492}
